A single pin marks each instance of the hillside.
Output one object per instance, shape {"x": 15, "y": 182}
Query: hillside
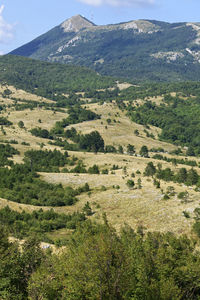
{"x": 49, "y": 79}
{"x": 139, "y": 50}
{"x": 99, "y": 185}
{"x": 108, "y": 163}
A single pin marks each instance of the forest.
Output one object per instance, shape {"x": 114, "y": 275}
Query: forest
{"x": 49, "y": 79}
{"x": 178, "y": 119}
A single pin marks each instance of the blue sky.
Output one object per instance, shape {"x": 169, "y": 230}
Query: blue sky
{"x": 23, "y": 20}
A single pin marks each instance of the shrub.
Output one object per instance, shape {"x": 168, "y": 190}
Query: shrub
{"x": 93, "y": 170}
{"x": 130, "y": 183}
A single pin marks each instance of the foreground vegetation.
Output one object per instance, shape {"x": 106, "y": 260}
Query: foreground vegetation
{"x": 97, "y": 263}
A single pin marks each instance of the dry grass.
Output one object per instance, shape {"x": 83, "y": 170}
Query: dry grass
{"x": 123, "y": 86}
{"x": 135, "y": 207}
{"x": 30, "y": 118}
{"x": 20, "y": 94}
{"x": 120, "y": 133}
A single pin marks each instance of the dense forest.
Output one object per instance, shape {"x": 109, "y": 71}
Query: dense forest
{"x": 48, "y": 79}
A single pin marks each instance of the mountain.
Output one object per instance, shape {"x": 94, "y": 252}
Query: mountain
{"x": 140, "y": 50}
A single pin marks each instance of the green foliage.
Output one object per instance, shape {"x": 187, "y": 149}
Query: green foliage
{"x": 179, "y": 120}
{"x": 130, "y": 183}
{"x": 108, "y": 121}
{"x": 175, "y": 161}
{"x": 93, "y": 170}
{"x": 17, "y": 266}
{"x": 21, "y": 185}
{"x": 21, "y": 124}
{"x": 110, "y": 149}
{"x": 165, "y": 174}
{"x": 4, "y": 121}
{"x": 186, "y": 214}
{"x": 101, "y": 264}
{"x": 190, "y": 177}
{"x": 6, "y": 151}
{"x": 43, "y": 133}
{"x": 183, "y": 195}
{"x": 87, "y": 209}
{"x": 91, "y": 141}
{"x": 130, "y": 149}
{"x": 105, "y": 171}
{"x": 120, "y": 149}
{"x": 77, "y": 114}
{"x": 47, "y": 79}
{"x": 166, "y": 197}
{"x": 190, "y": 151}
{"x": 156, "y": 183}
{"x": 79, "y": 168}
{"x": 150, "y": 169}
{"x": 98, "y": 263}
{"x": 144, "y": 152}
{"x": 45, "y": 161}
{"x": 39, "y": 222}
{"x": 136, "y": 132}
{"x": 103, "y": 95}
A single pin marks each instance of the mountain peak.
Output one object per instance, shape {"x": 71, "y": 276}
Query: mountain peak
{"x": 76, "y": 23}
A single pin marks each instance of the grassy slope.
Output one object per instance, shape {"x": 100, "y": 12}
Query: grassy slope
{"x": 135, "y": 207}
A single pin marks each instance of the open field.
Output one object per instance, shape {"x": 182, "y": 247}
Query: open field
{"x": 135, "y": 207}
{"x": 121, "y": 130}
{"x": 20, "y": 94}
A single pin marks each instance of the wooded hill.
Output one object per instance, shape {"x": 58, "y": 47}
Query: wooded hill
{"x": 49, "y": 79}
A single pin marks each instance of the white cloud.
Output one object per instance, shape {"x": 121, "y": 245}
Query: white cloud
{"x": 119, "y": 2}
{"x": 6, "y": 30}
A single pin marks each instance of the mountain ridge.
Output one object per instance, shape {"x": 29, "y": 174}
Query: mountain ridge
{"x": 139, "y": 49}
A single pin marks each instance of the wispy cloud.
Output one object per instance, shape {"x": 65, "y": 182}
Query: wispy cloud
{"x": 6, "y": 30}
{"x": 119, "y": 2}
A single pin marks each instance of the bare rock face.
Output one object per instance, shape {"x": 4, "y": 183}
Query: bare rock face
{"x": 76, "y": 23}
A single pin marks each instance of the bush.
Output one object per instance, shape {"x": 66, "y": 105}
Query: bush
{"x": 183, "y": 195}
{"x": 130, "y": 183}
{"x": 93, "y": 170}
{"x": 21, "y": 124}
